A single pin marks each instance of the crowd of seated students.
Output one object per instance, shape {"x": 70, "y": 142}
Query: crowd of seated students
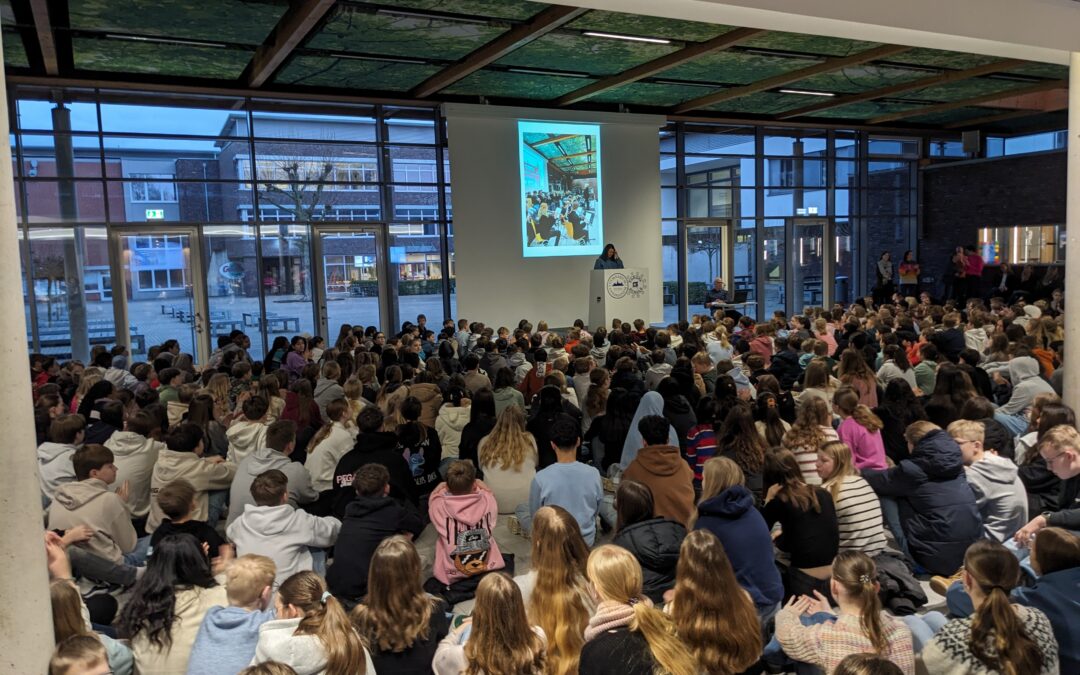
{"x": 710, "y": 497}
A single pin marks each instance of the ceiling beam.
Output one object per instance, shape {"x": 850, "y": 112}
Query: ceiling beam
{"x": 826, "y": 66}
{"x": 543, "y": 23}
{"x": 1000, "y": 117}
{"x": 934, "y": 80}
{"x": 46, "y": 38}
{"x": 985, "y": 98}
{"x": 553, "y": 139}
{"x": 293, "y": 27}
{"x": 666, "y": 62}
{"x": 576, "y": 154}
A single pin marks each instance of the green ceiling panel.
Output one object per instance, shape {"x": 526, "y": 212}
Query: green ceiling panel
{"x": 761, "y": 103}
{"x": 950, "y": 116}
{"x": 866, "y": 109}
{"x": 498, "y": 9}
{"x": 572, "y": 155}
{"x": 245, "y": 22}
{"x": 516, "y": 85}
{"x": 810, "y": 44}
{"x": 936, "y": 58}
{"x": 597, "y": 56}
{"x": 858, "y": 79}
{"x": 734, "y": 67}
{"x": 15, "y": 51}
{"x": 314, "y": 71}
{"x": 648, "y": 26}
{"x": 1050, "y": 70}
{"x": 958, "y": 91}
{"x": 158, "y": 59}
{"x": 651, "y": 94}
{"x": 361, "y": 33}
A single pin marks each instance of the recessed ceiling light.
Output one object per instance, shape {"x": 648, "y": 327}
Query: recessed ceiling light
{"x": 538, "y": 71}
{"x": 631, "y": 38}
{"x": 804, "y": 92}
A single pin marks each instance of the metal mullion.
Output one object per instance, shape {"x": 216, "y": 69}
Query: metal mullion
{"x": 759, "y": 219}
{"x": 863, "y": 167}
{"x": 682, "y": 283}
{"x": 829, "y": 269}
{"x": 388, "y": 292}
{"x": 24, "y": 222}
{"x": 257, "y": 225}
{"x": 443, "y": 226}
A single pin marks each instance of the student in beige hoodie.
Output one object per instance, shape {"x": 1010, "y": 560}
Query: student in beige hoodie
{"x": 135, "y": 452}
{"x": 88, "y": 501}
{"x": 248, "y": 433}
{"x": 183, "y": 458}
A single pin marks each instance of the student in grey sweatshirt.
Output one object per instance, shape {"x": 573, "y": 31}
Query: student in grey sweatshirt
{"x": 280, "y": 443}
{"x": 327, "y": 388}
{"x": 999, "y": 492}
{"x": 1027, "y": 383}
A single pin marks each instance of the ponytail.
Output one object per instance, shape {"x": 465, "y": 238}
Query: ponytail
{"x": 856, "y": 573}
{"x": 867, "y": 419}
{"x": 667, "y": 649}
{"x": 325, "y": 618}
{"x": 996, "y": 571}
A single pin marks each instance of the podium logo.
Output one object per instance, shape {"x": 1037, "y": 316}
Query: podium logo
{"x": 636, "y": 284}
{"x": 617, "y": 286}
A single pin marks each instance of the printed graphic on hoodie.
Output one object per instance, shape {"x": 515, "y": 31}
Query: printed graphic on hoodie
{"x": 470, "y": 555}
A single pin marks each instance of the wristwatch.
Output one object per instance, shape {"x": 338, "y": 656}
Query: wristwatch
{"x": 1046, "y": 516}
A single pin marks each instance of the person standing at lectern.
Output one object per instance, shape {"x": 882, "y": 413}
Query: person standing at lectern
{"x": 609, "y": 259}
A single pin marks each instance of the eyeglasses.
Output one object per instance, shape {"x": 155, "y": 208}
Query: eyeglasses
{"x": 1050, "y": 460}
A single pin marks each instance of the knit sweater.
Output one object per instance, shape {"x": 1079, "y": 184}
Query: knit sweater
{"x": 949, "y": 654}
{"x": 826, "y": 644}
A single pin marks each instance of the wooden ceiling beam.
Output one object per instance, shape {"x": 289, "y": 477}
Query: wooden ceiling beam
{"x": 934, "y": 80}
{"x": 293, "y": 27}
{"x": 666, "y": 62}
{"x": 553, "y": 139}
{"x": 826, "y": 66}
{"x": 576, "y": 154}
{"x": 543, "y": 23}
{"x": 976, "y": 100}
{"x": 46, "y": 37}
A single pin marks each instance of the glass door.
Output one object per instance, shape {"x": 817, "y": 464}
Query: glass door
{"x": 163, "y": 297}
{"x": 350, "y": 270}
{"x": 811, "y": 248}
{"x": 708, "y": 256}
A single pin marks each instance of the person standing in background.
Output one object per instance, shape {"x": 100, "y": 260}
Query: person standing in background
{"x": 973, "y": 268}
{"x": 909, "y": 275}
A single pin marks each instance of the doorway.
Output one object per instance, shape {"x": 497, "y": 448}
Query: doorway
{"x": 351, "y": 273}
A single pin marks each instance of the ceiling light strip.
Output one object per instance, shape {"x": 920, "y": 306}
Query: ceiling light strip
{"x": 628, "y": 38}
{"x": 806, "y": 92}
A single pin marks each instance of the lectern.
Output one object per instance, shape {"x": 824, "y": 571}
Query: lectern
{"x": 621, "y": 294}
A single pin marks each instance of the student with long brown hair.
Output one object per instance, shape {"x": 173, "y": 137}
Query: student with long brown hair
{"x": 859, "y": 626}
{"x": 400, "y": 623}
{"x": 812, "y": 429}
{"x": 627, "y": 635}
{"x": 861, "y": 429}
{"x": 739, "y": 440}
{"x": 807, "y": 517}
{"x": 1000, "y": 637}
{"x": 853, "y": 372}
{"x": 498, "y": 639}
{"x": 68, "y": 620}
{"x": 858, "y": 509}
{"x": 714, "y": 617}
{"x": 555, "y": 591}
{"x": 311, "y": 633}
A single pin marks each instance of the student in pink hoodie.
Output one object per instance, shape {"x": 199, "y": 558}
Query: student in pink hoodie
{"x": 463, "y": 511}
{"x": 860, "y": 428}
{"x": 762, "y": 342}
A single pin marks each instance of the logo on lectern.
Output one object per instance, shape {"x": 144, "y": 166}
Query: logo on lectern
{"x": 637, "y": 284}
{"x": 617, "y": 286}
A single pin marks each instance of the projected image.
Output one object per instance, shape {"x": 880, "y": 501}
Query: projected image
{"x": 560, "y": 189}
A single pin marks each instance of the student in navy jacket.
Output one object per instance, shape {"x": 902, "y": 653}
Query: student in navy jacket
{"x": 937, "y": 510}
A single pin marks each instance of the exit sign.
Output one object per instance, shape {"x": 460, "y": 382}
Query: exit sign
{"x": 155, "y": 214}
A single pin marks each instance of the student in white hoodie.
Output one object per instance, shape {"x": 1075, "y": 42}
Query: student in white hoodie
{"x": 327, "y": 388}
{"x": 311, "y": 634}
{"x": 453, "y": 416}
{"x": 280, "y": 443}
{"x": 999, "y": 492}
{"x": 135, "y": 453}
{"x": 66, "y": 433}
{"x": 248, "y": 432}
{"x": 273, "y": 528}
{"x": 330, "y": 444}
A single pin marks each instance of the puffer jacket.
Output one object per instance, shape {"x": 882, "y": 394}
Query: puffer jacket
{"x": 655, "y": 543}
{"x": 449, "y": 424}
{"x": 937, "y": 505}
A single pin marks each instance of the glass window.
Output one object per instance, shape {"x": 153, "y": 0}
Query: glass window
{"x": 718, "y": 140}
{"x": 670, "y": 268}
{"x": 905, "y": 147}
{"x": 940, "y": 147}
{"x": 351, "y": 273}
{"x": 1050, "y": 140}
{"x": 232, "y": 283}
{"x": 152, "y": 187}
{"x": 774, "y": 258}
{"x": 416, "y": 268}
{"x": 287, "y": 280}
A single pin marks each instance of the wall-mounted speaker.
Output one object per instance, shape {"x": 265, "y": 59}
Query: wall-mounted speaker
{"x": 972, "y": 142}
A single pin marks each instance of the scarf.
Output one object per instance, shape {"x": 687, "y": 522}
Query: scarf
{"x": 609, "y": 615}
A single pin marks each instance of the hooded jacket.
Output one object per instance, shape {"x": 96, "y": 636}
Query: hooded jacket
{"x": 323, "y": 458}
{"x": 368, "y": 520}
{"x": 282, "y": 534}
{"x": 464, "y": 523}
{"x": 655, "y": 373}
{"x": 176, "y": 411}
{"x": 1000, "y": 496}
{"x": 937, "y": 505}
{"x": 373, "y": 448}
{"x": 1057, "y": 594}
{"x": 763, "y": 345}
{"x": 326, "y": 390}
{"x": 785, "y": 366}
{"x": 202, "y": 473}
{"x": 54, "y": 467}
{"x": 651, "y": 403}
{"x": 655, "y": 543}
{"x": 449, "y": 424}
{"x": 245, "y": 436}
{"x": 431, "y": 399}
{"x": 134, "y": 456}
{"x": 89, "y": 502}
{"x": 1027, "y": 384}
{"x": 303, "y": 653}
{"x": 260, "y": 461}
{"x": 670, "y": 478}
{"x": 741, "y": 528}
{"x": 226, "y": 640}
{"x": 506, "y": 397}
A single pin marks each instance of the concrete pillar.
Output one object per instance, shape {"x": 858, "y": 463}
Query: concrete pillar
{"x": 1071, "y": 384}
{"x": 26, "y": 635}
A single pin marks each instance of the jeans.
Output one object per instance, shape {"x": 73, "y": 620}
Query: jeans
{"x": 318, "y": 560}
{"x": 774, "y": 655}
{"x": 1016, "y": 424}
{"x": 958, "y": 601}
{"x": 890, "y": 511}
{"x": 137, "y": 557}
{"x": 94, "y": 567}
{"x": 524, "y": 516}
{"x": 217, "y": 501}
{"x": 924, "y": 627}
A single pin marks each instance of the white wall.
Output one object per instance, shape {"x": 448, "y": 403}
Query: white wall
{"x": 495, "y": 284}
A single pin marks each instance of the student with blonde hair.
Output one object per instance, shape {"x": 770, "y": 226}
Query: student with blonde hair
{"x": 714, "y": 617}
{"x": 330, "y": 443}
{"x": 80, "y": 654}
{"x": 811, "y": 430}
{"x": 858, "y": 510}
{"x": 498, "y": 639}
{"x": 627, "y": 635}
{"x": 311, "y": 633}
{"x": 999, "y": 491}
{"x": 507, "y": 458}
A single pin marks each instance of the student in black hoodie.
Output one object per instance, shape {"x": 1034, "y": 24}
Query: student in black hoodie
{"x": 378, "y": 447}
{"x": 369, "y": 519}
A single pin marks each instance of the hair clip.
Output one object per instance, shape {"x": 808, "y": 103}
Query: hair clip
{"x": 634, "y": 601}
{"x": 864, "y": 578}
{"x": 325, "y": 596}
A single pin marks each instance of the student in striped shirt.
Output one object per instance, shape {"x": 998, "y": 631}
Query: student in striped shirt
{"x": 858, "y": 509}
{"x": 812, "y": 429}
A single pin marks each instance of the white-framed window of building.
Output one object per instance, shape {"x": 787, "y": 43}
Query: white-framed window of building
{"x": 416, "y": 211}
{"x": 157, "y": 262}
{"x": 350, "y": 213}
{"x": 358, "y": 175}
{"x": 415, "y": 171}
{"x": 341, "y": 270}
{"x": 152, "y": 187}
